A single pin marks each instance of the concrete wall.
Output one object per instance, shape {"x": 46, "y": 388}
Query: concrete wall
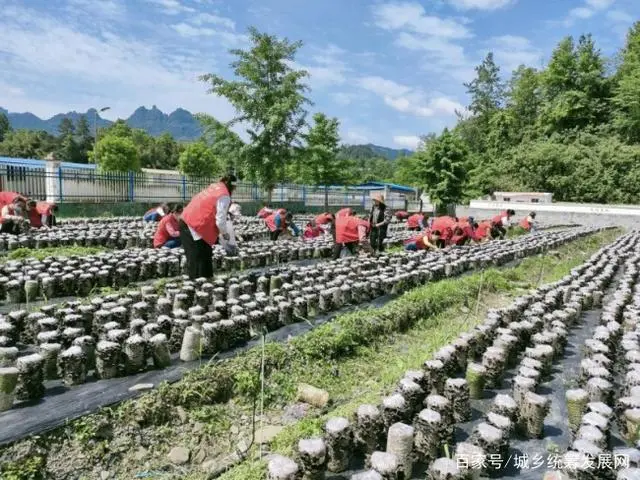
{"x": 627, "y": 216}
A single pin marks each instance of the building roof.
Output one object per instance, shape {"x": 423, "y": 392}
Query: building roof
{"x": 35, "y": 163}
{"x": 533, "y": 194}
{"x": 378, "y": 185}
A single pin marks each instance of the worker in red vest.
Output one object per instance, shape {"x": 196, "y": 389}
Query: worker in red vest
{"x": 265, "y": 211}
{"x": 312, "y": 231}
{"x": 428, "y": 240}
{"x": 529, "y": 222}
{"x": 324, "y": 219}
{"x": 482, "y": 232}
{"x": 156, "y": 214}
{"x": 47, "y": 212}
{"x": 12, "y": 216}
{"x": 351, "y": 232}
{"x": 7, "y": 198}
{"x": 463, "y": 232}
{"x": 168, "y": 231}
{"x": 202, "y": 221}
{"x": 500, "y": 223}
{"x": 35, "y": 219}
{"x": 279, "y": 221}
{"x": 344, "y": 212}
{"x": 417, "y": 222}
{"x": 402, "y": 215}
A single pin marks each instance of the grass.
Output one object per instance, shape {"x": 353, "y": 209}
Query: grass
{"x": 357, "y": 358}
{"x": 41, "y": 253}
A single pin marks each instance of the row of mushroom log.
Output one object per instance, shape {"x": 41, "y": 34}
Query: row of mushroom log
{"x": 413, "y": 429}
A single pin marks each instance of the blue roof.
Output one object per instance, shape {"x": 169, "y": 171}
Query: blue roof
{"x": 35, "y": 163}
{"x": 392, "y": 186}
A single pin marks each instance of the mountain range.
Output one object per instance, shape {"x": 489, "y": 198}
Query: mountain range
{"x": 180, "y": 123}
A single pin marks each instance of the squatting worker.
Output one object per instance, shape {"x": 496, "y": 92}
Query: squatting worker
{"x": 265, "y": 211}
{"x": 500, "y": 223}
{"x": 35, "y": 219}
{"x": 379, "y": 219}
{"x": 12, "y": 216}
{"x": 529, "y": 222}
{"x": 417, "y": 222}
{"x": 168, "y": 232}
{"x": 351, "y": 231}
{"x": 156, "y": 214}
{"x": 279, "y": 221}
{"x": 203, "y": 220}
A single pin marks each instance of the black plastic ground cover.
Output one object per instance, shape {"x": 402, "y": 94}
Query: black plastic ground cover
{"x": 62, "y": 404}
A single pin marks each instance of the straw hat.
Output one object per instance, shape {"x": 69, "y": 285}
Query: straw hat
{"x": 379, "y": 198}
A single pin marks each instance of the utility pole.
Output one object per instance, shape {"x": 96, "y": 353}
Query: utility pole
{"x": 95, "y": 132}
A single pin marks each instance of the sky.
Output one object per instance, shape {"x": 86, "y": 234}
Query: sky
{"x": 390, "y": 71}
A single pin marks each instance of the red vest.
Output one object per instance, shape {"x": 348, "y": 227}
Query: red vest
{"x": 200, "y": 213}
{"x": 524, "y": 223}
{"x": 347, "y": 229}
{"x": 12, "y": 211}
{"x": 44, "y": 208}
{"x": 344, "y": 212}
{"x": 323, "y": 219}
{"x": 415, "y": 220}
{"x": 482, "y": 231}
{"x": 271, "y": 220}
{"x": 264, "y": 212}
{"x": 7, "y": 197}
{"x": 162, "y": 234}
{"x": 35, "y": 218}
{"x": 401, "y": 214}
{"x": 497, "y": 220}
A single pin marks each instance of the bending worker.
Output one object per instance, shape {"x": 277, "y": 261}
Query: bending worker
{"x": 417, "y": 222}
{"x": 168, "y": 232}
{"x": 47, "y": 213}
{"x": 203, "y": 220}
{"x": 279, "y": 221}
{"x": 425, "y": 241}
{"x": 12, "y": 216}
{"x": 265, "y": 211}
{"x": 500, "y": 223}
{"x": 156, "y": 214}
{"x": 351, "y": 232}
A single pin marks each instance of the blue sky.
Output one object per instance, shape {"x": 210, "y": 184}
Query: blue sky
{"x": 389, "y": 70}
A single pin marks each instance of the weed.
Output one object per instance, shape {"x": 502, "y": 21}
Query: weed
{"x": 42, "y": 253}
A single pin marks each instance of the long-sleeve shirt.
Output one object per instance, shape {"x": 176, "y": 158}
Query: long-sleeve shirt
{"x": 375, "y": 214}
{"x": 278, "y": 221}
{"x": 222, "y": 223}
{"x": 8, "y": 213}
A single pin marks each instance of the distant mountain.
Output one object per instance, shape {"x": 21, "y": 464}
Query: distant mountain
{"x": 363, "y": 152}
{"x": 180, "y": 123}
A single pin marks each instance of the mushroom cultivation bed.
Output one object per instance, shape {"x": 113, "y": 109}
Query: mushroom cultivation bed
{"x": 497, "y": 395}
{"x": 111, "y": 336}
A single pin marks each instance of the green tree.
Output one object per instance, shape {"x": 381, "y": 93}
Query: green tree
{"x": 5, "y": 126}
{"x": 84, "y": 139}
{"x": 626, "y": 94}
{"x": 27, "y": 144}
{"x": 524, "y": 99}
{"x": 441, "y": 168}
{"x": 66, "y": 127}
{"x": 116, "y": 154}
{"x": 67, "y": 149}
{"x": 319, "y": 162}
{"x": 270, "y": 97}
{"x": 197, "y": 160}
{"x": 166, "y": 152}
{"x": 225, "y": 144}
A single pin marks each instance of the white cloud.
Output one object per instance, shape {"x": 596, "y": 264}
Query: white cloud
{"x": 97, "y": 65}
{"x": 103, "y": 8}
{"x": 619, "y": 16}
{"x": 581, "y": 12}
{"x": 343, "y": 98}
{"x": 412, "y": 17}
{"x": 511, "y": 51}
{"x": 409, "y": 100}
{"x": 480, "y": 4}
{"x": 209, "y": 25}
{"x": 354, "y": 136}
{"x": 407, "y": 141}
{"x": 171, "y": 7}
{"x": 587, "y": 10}
{"x": 208, "y": 18}
{"x": 600, "y": 4}
{"x": 326, "y": 67}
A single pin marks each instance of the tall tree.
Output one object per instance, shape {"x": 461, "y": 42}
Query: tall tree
{"x": 66, "y": 127}
{"x": 27, "y": 144}
{"x": 5, "y": 126}
{"x": 197, "y": 160}
{"x": 441, "y": 168}
{"x": 84, "y": 138}
{"x": 116, "y": 154}
{"x": 626, "y": 95}
{"x": 320, "y": 165}
{"x": 486, "y": 90}
{"x": 524, "y": 99}
{"x": 225, "y": 144}
{"x": 166, "y": 152}
{"x": 270, "y": 97}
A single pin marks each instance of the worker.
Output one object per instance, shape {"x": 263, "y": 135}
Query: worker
{"x": 312, "y": 230}
{"x": 351, "y": 232}
{"x": 168, "y": 231}
{"x": 265, "y": 211}
{"x": 234, "y": 214}
{"x": 279, "y": 221}
{"x": 7, "y": 198}
{"x": 156, "y": 214}
{"x": 463, "y": 232}
{"x": 500, "y": 223}
{"x": 12, "y": 216}
{"x": 323, "y": 219}
{"x": 529, "y": 222}
{"x": 344, "y": 212}
{"x": 417, "y": 222}
{"x": 402, "y": 215}
{"x": 35, "y": 219}
{"x": 47, "y": 211}
{"x": 427, "y": 240}
{"x": 379, "y": 219}
{"x": 202, "y": 221}
{"x": 445, "y": 225}
{"x": 482, "y": 231}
